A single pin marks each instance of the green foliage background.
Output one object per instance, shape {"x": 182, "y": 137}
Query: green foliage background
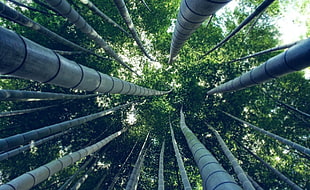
{"x": 189, "y": 76}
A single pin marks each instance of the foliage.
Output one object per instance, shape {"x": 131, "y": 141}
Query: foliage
{"x": 190, "y": 79}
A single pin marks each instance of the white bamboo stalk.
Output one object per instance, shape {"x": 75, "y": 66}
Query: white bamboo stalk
{"x": 117, "y": 176}
{"x": 191, "y": 14}
{"x": 276, "y": 172}
{"x": 184, "y": 177}
{"x": 72, "y": 178}
{"x": 19, "y": 139}
{"x": 161, "y": 181}
{"x": 264, "y": 52}
{"x": 16, "y": 151}
{"x": 96, "y": 10}
{"x": 294, "y": 59}
{"x": 80, "y": 182}
{"x": 246, "y": 184}
{"x": 21, "y": 19}
{"x": 212, "y": 173}
{"x": 246, "y": 21}
{"x": 64, "y": 8}
{"x": 21, "y": 95}
{"x": 134, "y": 176}
{"x": 120, "y": 4}
{"x": 25, "y": 59}
{"x": 24, "y": 111}
{"x": 36, "y": 176}
{"x": 294, "y": 145}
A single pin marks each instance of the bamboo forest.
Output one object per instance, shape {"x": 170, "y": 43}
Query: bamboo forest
{"x": 154, "y": 94}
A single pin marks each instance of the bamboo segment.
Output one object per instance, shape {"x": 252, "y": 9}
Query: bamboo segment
{"x": 184, "y": 177}
{"x": 24, "y": 111}
{"x": 275, "y": 171}
{"x": 274, "y": 136}
{"x": 294, "y": 59}
{"x": 135, "y": 174}
{"x": 246, "y": 184}
{"x": 96, "y": 10}
{"x": 21, "y": 19}
{"x": 20, "y": 95}
{"x": 64, "y": 8}
{"x": 25, "y": 59}
{"x": 264, "y": 52}
{"x": 120, "y": 4}
{"x": 36, "y": 176}
{"x": 191, "y": 15}
{"x": 257, "y": 11}
{"x": 20, "y": 139}
{"x": 212, "y": 173}
{"x": 14, "y": 152}
{"x": 161, "y": 181}
{"x": 72, "y": 178}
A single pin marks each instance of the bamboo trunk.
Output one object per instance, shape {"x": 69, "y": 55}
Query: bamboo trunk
{"x": 36, "y": 176}
{"x": 64, "y": 8}
{"x": 20, "y": 139}
{"x": 25, "y": 59}
{"x": 264, "y": 52}
{"x": 134, "y": 176}
{"x": 16, "y": 151}
{"x": 31, "y": 8}
{"x": 294, "y": 59}
{"x": 80, "y": 182}
{"x": 105, "y": 17}
{"x": 21, "y": 19}
{"x": 72, "y": 178}
{"x": 19, "y": 95}
{"x": 24, "y": 111}
{"x": 275, "y": 171}
{"x": 161, "y": 181}
{"x": 185, "y": 180}
{"x": 120, "y": 4}
{"x": 274, "y": 136}
{"x": 212, "y": 173}
{"x": 191, "y": 14}
{"x": 246, "y": 184}
{"x": 257, "y": 11}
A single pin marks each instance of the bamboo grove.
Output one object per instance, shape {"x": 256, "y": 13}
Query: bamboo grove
{"x": 179, "y": 94}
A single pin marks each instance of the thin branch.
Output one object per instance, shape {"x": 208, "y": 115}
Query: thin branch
{"x": 31, "y": 8}
{"x": 257, "y": 11}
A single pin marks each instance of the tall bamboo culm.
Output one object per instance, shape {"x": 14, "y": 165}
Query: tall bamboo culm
{"x": 64, "y": 8}
{"x": 212, "y": 173}
{"x": 121, "y": 6}
{"x": 161, "y": 180}
{"x": 275, "y": 171}
{"x": 20, "y": 139}
{"x": 36, "y": 176}
{"x": 23, "y": 58}
{"x": 17, "y": 17}
{"x": 134, "y": 176}
{"x": 191, "y": 14}
{"x": 294, "y": 59}
{"x": 246, "y": 184}
{"x": 274, "y": 136}
{"x": 184, "y": 177}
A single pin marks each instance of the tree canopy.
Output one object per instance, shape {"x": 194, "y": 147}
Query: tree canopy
{"x": 190, "y": 77}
